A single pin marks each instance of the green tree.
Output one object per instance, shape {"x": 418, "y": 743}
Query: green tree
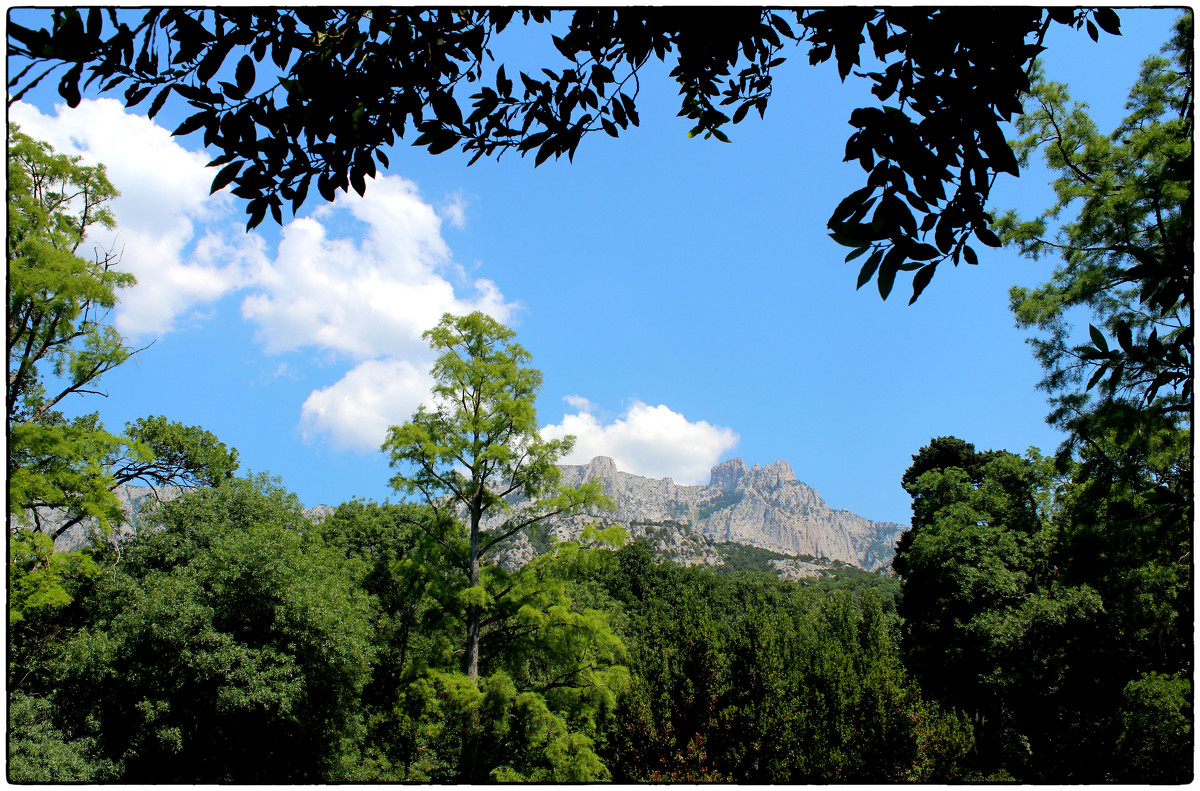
{"x": 1054, "y": 609}
{"x": 58, "y": 303}
{"x": 987, "y": 618}
{"x": 1124, "y": 396}
{"x": 62, "y": 472}
{"x": 38, "y": 752}
{"x": 518, "y": 695}
{"x": 229, "y": 644}
{"x": 747, "y": 678}
{"x": 59, "y": 338}
{"x": 1127, "y": 256}
{"x": 396, "y": 565}
{"x": 356, "y": 80}
{"x": 476, "y": 447}
{"x": 550, "y": 686}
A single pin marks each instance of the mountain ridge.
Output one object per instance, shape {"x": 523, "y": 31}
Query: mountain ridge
{"x": 766, "y": 507}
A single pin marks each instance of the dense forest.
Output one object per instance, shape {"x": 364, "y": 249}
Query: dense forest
{"x": 1039, "y": 627}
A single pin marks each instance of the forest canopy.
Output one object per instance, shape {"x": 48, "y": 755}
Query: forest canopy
{"x": 317, "y": 94}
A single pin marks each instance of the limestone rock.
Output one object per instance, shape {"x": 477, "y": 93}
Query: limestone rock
{"x": 761, "y": 506}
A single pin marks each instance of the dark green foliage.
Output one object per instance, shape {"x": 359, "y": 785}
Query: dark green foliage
{"x": 1058, "y": 602}
{"x": 408, "y": 626}
{"x": 747, "y": 678}
{"x": 230, "y": 645}
{"x": 178, "y": 455}
{"x": 1055, "y": 611}
{"x": 38, "y": 752}
{"x": 354, "y": 81}
{"x": 743, "y": 557}
{"x": 843, "y": 577}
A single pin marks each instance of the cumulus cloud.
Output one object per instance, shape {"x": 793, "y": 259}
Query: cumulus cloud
{"x": 355, "y": 412}
{"x": 654, "y": 441}
{"x": 164, "y": 194}
{"x": 360, "y": 278}
{"x": 365, "y": 298}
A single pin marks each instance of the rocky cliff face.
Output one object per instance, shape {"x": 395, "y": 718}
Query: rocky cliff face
{"x": 760, "y": 506}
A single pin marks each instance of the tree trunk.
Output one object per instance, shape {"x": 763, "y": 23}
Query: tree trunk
{"x": 474, "y": 614}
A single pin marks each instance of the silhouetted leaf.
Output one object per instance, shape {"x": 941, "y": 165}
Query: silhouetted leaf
{"x": 446, "y": 109}
{"x": 1124, "y": 336}
{"x": 1108, "y": 19}
{"x": 868, "y": 269}
{"x": 191, "y": 124}
{"x": 856, "y": 253}
{"x": 245, "y": 74}
{"x": 226, "y": 175}
{"x": 921, "y": 279}
{"x": 986, "y": 236}
{"x": 159, "y": 99}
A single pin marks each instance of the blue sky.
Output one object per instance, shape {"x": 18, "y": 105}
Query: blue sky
{"x": 681, "y": 297}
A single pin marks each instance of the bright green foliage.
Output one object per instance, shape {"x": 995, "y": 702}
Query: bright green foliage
{"x": 1128, "y": 253}
{"x": 520, "y": 696}
{"x": 476, "y": 447}
{"x": 73, "y": 467}
{"x": 57, "y": 300}
{"x": 1156, "y": 733}
{"x": 746, "y": 678}
{"x": 231, "y": 645}
{"x": 550, "y": 682}
{"x": 56, "y": 464}
{"x": 39, "y": 577}
{"x": 62, "y": 472}
{"x": 57, "y": 306}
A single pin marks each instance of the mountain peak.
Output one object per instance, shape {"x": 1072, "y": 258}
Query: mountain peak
{"x": 780, "y": 470}
{"x": 763, "y": 506}
{"x": 726, "y": 475}
{"x": 599, "y": 467}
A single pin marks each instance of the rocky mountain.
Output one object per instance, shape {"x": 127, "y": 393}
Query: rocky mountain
{"x": 763, "y": 507}
{"x": 794, "y": 531}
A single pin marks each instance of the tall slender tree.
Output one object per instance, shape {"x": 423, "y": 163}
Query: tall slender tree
{"x": 477, "y": 446}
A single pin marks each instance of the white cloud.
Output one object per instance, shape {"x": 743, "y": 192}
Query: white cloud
{"x": 361, "y": 278}
{"x": 356, "y": 411}
{"x": 364, "y": 299}
{"x": 646, "y": 440}
{"x": 164, "y": 193}
{"x": 454, "y": 210}
{"x": 580, "y": 404}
